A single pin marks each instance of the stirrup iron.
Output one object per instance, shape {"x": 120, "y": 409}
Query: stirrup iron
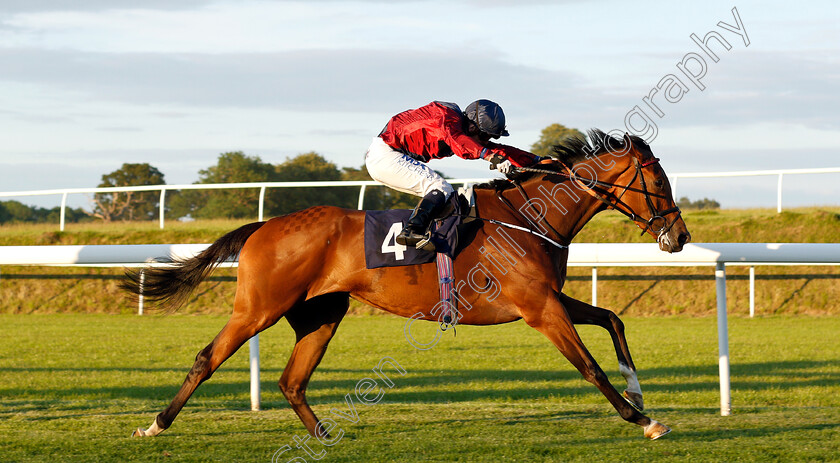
{"x": 426, "y": 243}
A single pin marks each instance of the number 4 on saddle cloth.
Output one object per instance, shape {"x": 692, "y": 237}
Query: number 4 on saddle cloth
{"x": 382, "y": 250}
{"x": 382, "y": 228}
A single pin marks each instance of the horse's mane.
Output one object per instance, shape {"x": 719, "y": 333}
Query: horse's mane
{"x": 571, "y": 151}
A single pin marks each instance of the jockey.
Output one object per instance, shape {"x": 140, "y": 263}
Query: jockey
{"x": 398, "y": 156}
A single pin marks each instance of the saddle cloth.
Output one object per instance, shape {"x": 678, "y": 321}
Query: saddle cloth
{"x": 382, "y": 228}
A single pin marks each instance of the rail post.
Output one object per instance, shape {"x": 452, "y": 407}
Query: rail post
{"x": 723, "y": 340}
{"x": 262, "y": 204}
{"x": 162, "y": 205}
{"x": 362, "y": 198}
{"x": 674, "y": 188}
{"x": 752, "y": 291}
{"x": 595, "y": 286}
{"x": 779, "y": 195}
{"x": 254, "y": 356}
{"x": 63, "y": 208}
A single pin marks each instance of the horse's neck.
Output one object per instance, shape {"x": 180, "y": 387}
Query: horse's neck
{"x": 570, "y": 208}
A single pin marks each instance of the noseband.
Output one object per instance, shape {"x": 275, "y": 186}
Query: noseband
{"x": 589, "y": 185}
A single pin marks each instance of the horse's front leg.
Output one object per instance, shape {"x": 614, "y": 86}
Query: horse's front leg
{"x": 582, "y": 313}
{"x": 552, "y": 319}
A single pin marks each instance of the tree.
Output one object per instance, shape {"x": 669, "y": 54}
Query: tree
{"x": 553, "y": 135}
{"x": 15, "y": 211}
{"x": 231, "y": 167}
{"x": 128, "y": 205}
{"x": 309, "y": 167}
{"x": 379, "y": 197}
{"x": 705, "y": 203}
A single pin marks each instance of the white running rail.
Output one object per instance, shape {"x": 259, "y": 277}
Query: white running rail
{"x": 752, "y": 173}
{"x": 210, "y": 186}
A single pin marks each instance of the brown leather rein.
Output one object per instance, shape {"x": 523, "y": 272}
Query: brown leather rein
{"x": 589, "y": 186}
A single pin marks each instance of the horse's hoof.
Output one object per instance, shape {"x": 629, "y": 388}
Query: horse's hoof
{"x": 655, "y": 430}
{"x": 635, "y": 400}
{"x": 139, "y": 432}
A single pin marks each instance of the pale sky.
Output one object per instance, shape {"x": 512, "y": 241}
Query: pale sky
{"x": 86, "y": 85}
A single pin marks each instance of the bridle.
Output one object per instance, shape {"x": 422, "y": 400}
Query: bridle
{"x": 657, "y": 223}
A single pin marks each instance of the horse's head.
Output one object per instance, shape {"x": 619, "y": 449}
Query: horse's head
{"x": 624, "y": 174}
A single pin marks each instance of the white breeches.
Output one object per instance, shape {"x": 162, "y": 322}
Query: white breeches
{"x": 402, "y": 173}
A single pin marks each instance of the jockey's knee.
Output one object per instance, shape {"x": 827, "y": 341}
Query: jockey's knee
{"x": 442, "y": 186}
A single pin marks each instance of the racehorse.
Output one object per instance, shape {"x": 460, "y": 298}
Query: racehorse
{"x": 305, "y": 266}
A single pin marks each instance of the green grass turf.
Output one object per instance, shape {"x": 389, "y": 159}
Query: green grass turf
{"x": 74, "y": 386}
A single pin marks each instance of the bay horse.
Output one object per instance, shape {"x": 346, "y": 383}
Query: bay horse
{"x": 305, "y": 266}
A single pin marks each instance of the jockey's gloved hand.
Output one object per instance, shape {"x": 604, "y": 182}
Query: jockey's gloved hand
{"x": 505, "y": 167}
{"x": 494, "y": 159}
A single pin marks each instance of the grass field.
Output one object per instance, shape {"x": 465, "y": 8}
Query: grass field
{"x": 74, "y": 386}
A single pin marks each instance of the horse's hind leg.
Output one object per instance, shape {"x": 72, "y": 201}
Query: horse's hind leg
{"x": 315, "y": 322}
{"x": 582, "y": 313}
{"x": 237, "y": 330}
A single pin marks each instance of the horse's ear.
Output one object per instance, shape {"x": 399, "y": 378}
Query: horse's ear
{"x": 628, "y": 145}
{"x": 627, "y": 139}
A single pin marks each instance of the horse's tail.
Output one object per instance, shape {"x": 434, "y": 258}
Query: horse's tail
{"x": 169, "y": 287}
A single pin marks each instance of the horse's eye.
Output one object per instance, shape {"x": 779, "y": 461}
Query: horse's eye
{"x": 659, "y": 183}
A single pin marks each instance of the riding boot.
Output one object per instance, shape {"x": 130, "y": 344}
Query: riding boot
{"x": 415, "y": 232}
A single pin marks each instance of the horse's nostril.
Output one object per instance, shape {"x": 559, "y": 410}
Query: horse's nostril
{"x": 683, "y": 238}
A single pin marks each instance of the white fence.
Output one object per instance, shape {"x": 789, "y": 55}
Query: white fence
{"x": 584, "y": 254}
{"x": 752, "y": 173}
{"x": 263, "y": 186}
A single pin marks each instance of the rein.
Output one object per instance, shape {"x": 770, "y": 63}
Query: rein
{"x": 542, "y": 217}
{"x": 618, "y": 205}
{"x": 526, "y": 230}
{"x": 528, "y": 219}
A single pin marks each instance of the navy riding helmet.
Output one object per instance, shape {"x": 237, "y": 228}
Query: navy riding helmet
{"x": 488, "y": 116}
